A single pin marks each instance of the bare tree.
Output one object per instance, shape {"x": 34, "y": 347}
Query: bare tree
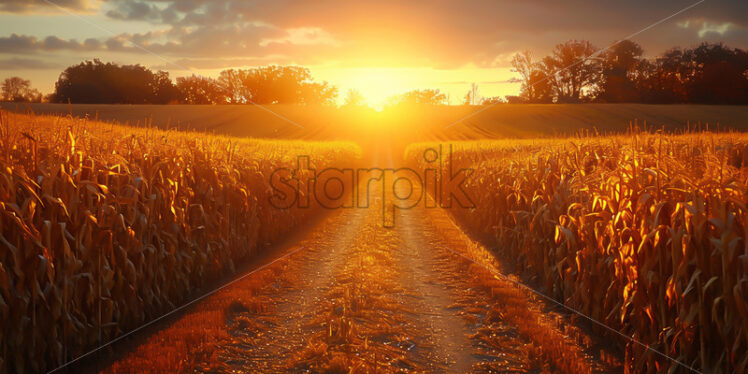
{"x": 473, "y": 96}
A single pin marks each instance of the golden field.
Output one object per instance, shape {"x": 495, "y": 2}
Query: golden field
{"x": 645, "y": 232}
{"x": 105, "y": 227}
{"x": 408, "y": 124}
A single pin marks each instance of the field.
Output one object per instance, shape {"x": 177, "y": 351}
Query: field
{"x": 594, "y": 244}
{"x": 106, "y": 227}
{"x": 645, "y": 233}
{"x": 411, "y": 124}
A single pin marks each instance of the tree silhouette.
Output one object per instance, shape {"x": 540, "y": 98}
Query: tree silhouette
{"x": 97, "y": 82}
{"x": 196, "y": 89}
{"x": 572, "y": 70}
{"x": 536, "y": 82}
{"x": 660, "y": 80}
{"x": 284, "y": 85}
{"x": 716, "y": 74}
{"x": 318, "y": 93}
{"x": 619, "y": 72}
{"x": 231, "y": 82}
{"x": 275, "y": 85}
{"x": 709, "y": 74}
{"x": 19, "y": 89}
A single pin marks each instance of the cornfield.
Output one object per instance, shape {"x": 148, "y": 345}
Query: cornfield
{"x": 106, "y": 227}
{"x": 645, "y": 233}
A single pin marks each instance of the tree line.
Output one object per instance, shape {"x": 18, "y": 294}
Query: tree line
{"x": 574, "y": 72}
{"x": 95, "y": 82}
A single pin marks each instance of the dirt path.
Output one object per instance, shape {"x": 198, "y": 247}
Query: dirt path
{"x": 360, "y": 297}
{"x": 260, "y": 345}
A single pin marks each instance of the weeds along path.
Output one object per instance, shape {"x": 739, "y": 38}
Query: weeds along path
{"x": 362, "y": 298}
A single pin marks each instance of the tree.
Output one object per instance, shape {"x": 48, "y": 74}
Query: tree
{"x": 275, "y": 85}
{"x": 472, "y": 97}
{"x": 573, "y": 69}
{"x": 717, "y": 74}
{"x": 513, "y": 99}
{"x": 421, "y": 97}
{"x": 97, "y": 82}
{"x": 196, "y": 89}
{"x": 619, "y": 70}
{"x": 536, "y": 82}
{"x": 660, "y": 82}
{"x": 164, "y": 90}
{"x": 231, "y": 81}
{"x": 354, "y": 98}
{"x": 34, "y": 96}
{"x": 709, "y": 73}
{"x": 493, "y": 100}
{"x": 19, "y": 89}
{"x": 318, "y": 93}
{"x": 14, "y": 88}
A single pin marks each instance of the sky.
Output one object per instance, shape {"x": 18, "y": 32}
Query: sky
{"x": 381, "y": 48}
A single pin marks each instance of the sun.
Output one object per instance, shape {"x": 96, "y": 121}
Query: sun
{"x": 376, "y": 84}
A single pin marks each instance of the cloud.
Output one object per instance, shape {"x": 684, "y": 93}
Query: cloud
{"x": 707, "y": 30}
{"x": 204, "y": 42}
{"x": 41, "y": 6}
{"x": 30, "y": 44}
{"x": 17, "y": 63}
{"x": 441, "y": 34}
{"x": 303, "y": 36}
{"x": 720, "y": 29}
{"x": 134, "y": 10}
{"x": 223, "y": 63}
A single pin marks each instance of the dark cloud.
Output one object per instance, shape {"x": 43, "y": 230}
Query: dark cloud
{"x": 16, "y": 63}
